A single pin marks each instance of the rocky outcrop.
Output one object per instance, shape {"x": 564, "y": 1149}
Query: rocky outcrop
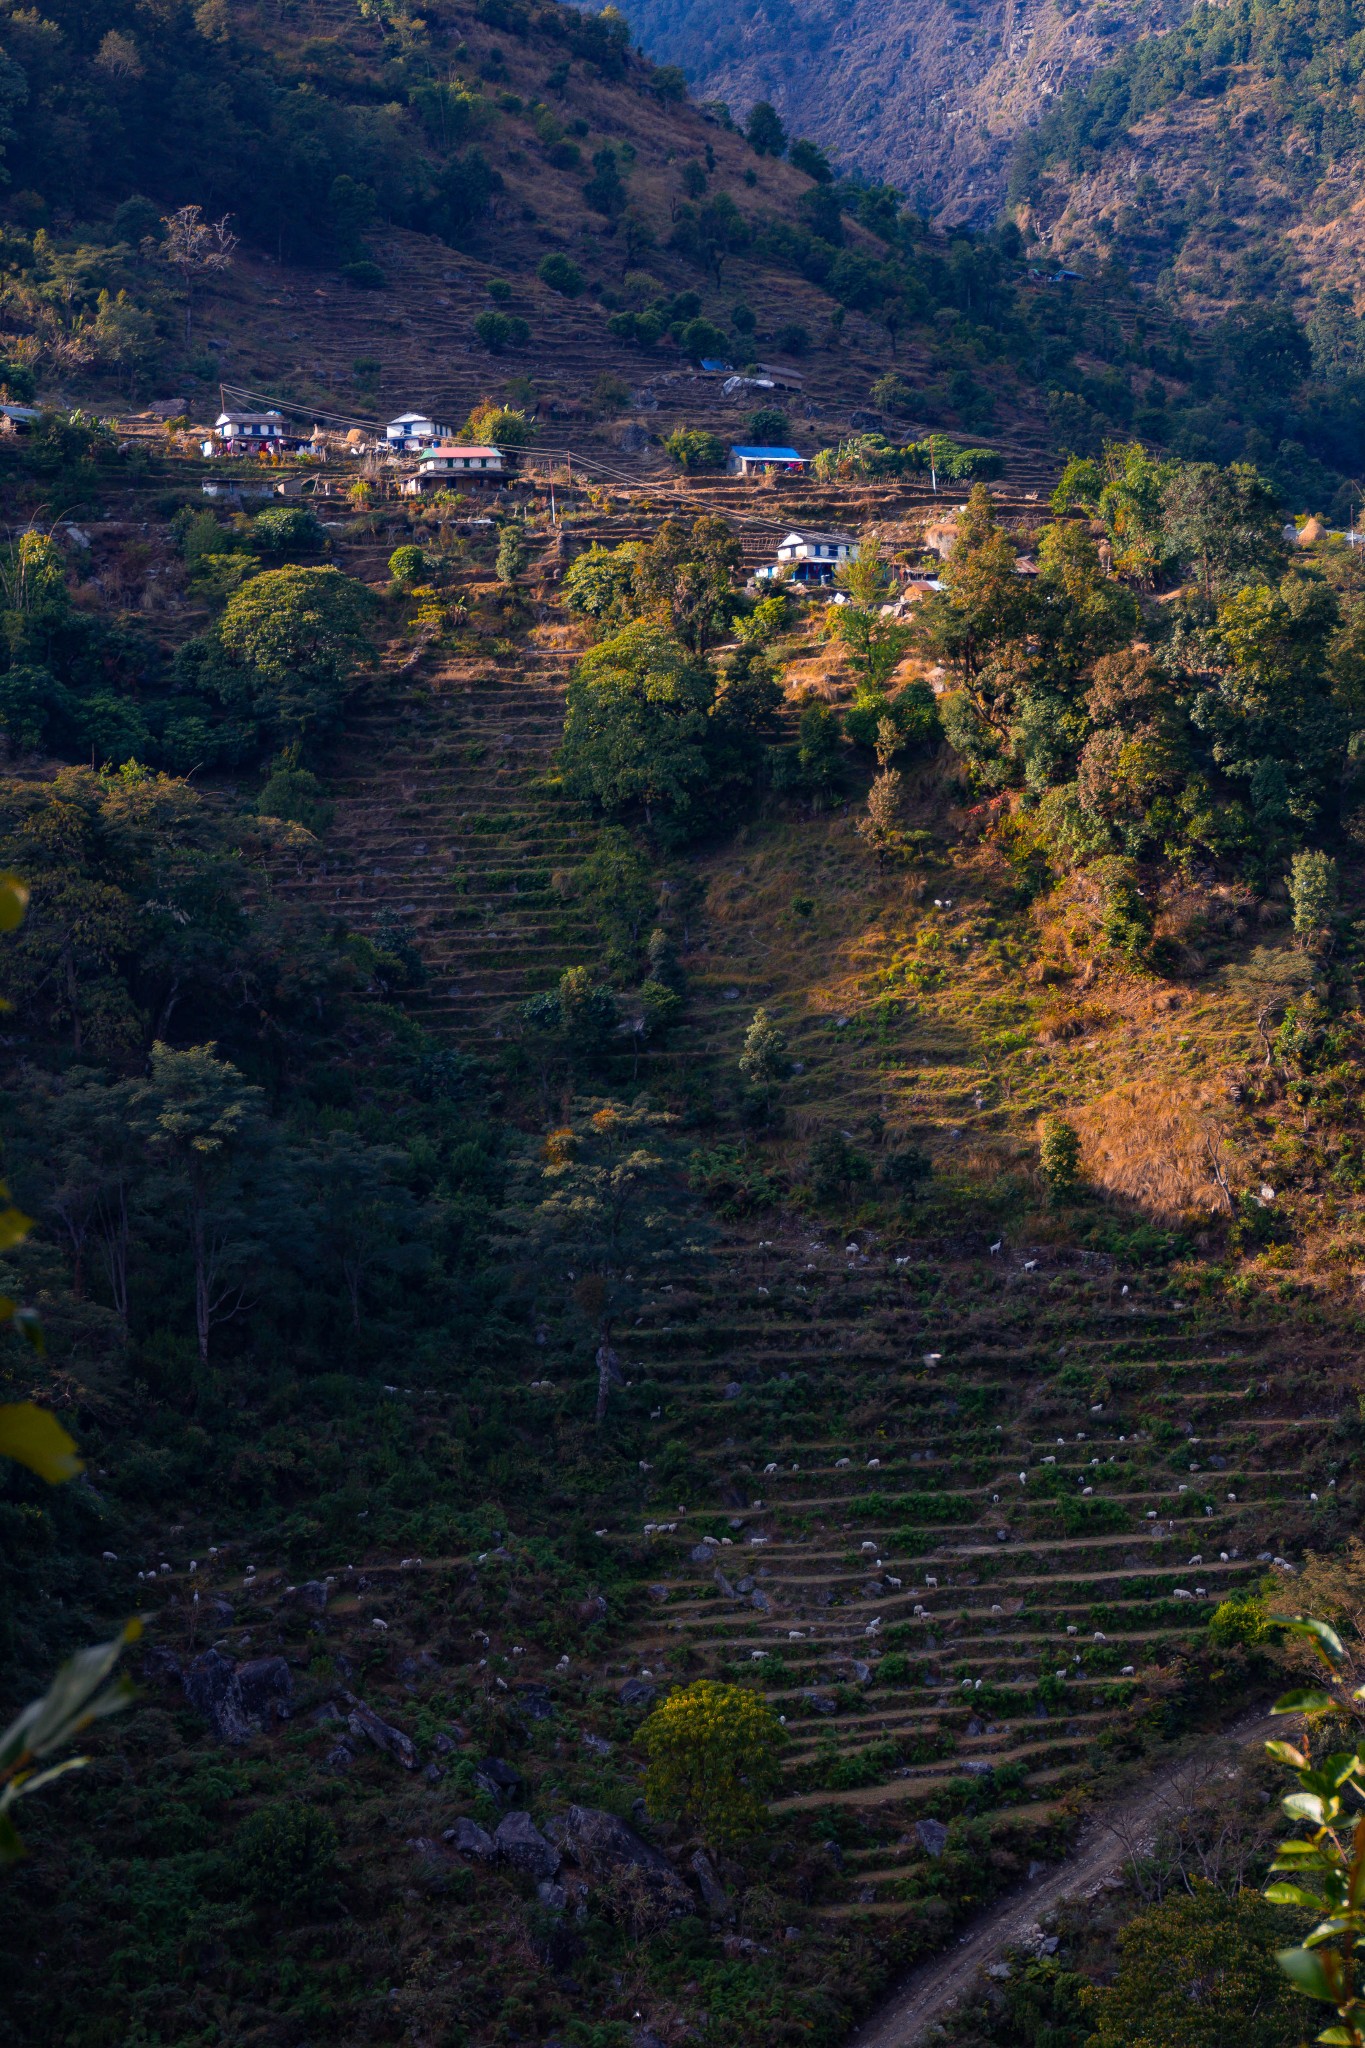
{"x": 239, "y": 1700}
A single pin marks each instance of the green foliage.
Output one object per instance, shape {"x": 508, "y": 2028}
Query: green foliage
{"x": 685, "y": 577}
{"x": 805, "y": 156}
{"x": 83, "y": 1691}
{"x": 764, "y": 131}
{"x": 1313, "y": 891}
{"x": 284, "y": 1858}
{"x": 1220, "y": 1942}
{"x": 1059, "y": 1158}
{"x": 562, "y": 275}
{"x": 408, "y": 564}
{"x": 835, "y": 1168}
{"x": 695, "y": 448}
{"x": 769, "y": 427}
{"x": 498, "y": 332}
{"x": 764, "y": 1059}
{"x": 296, "y": 795}
{"x": 286, "y": 530}
{"x": 647, "y": 727}
{"x": 618, "y": 885}
{"x": 600, "y": 583}
{"x": 511, "y": 557}
{"x": 295, "y": 641}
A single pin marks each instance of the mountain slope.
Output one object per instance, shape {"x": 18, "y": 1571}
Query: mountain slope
{"x": 929, "y": 98}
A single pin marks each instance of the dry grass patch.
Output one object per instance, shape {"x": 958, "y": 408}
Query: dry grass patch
{"x": 1157, "y": 1147}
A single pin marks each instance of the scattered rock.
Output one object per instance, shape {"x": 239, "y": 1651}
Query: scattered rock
{"x": 341, "y": 1758}
{"x": 239, "y": 1700}
{"x": 535, "y": 1702}
{"x": 638, "y": 1692}
{"x": 979, "y": 1768}
{"x": 933, "y": 1836}
{"x": 733, "y": 1390}
{"x": 714, "y": 1896}
{"x": 821, "y": 1702}
{"x": 312, "y": 1595}
{"x": 498, "y": 1779}
{"x": 363, "y": 1720}
{"x": 600, "y": 1843}
{"x": 162, "y": 1665}
{"x": 700, "y": 1553}
{"x": 592, "y": 1609}
{"x": 521, "y": 1844}
{"x": 761, "y": 1601}
{"x": 598, "y": 1744}
{"x": 472, "y": 1840}
{"x": 551, "y": 1895}
{"x": 724, "y": 1584}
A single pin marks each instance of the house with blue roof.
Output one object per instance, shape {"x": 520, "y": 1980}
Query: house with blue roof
{"x": 760, "y": 461}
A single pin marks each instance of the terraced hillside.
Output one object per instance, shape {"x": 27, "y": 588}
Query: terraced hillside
{"x": 961, "y": 1504}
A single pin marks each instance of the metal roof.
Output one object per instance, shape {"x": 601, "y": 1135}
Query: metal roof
{"x": 768, "y": 454}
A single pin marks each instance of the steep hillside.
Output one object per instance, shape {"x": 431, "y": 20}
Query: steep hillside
{"x": 1219, "y": 164}
{"x": 930, "y": 99}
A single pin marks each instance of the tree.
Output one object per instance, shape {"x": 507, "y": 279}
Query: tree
{"x": 713, "y": 1755}
{"x": 694, "y": 448}
{"x": 196, "y": 248}
{"x": 511, "y": 551}
{"x": 619, "y": 885}
{"x": 1313, "y": 894}
{"x": 499, "y": 331}
{"x": 768, "y": 427}
{"x": 636, "y": 728}
{"x": 1059, "y": 1157}
{"x": 600, "y": 583}
{"x": 874, "y": 645}
{"x": 498, "y": 425}
{"x": 881, "y": 826}
{"x": 202, "y": 1118}
{"x": 764, "y": 1060}
{"x": 295, "y": 640}
{"x": 807, "y": 157}
{"x": 764, "y": 131}
{"x": 408, "y": 564}
{"x": 561, "y": 274}
{"x": 685, "y": 576}
{"x": 368, "y": 1223}
{"x": 1224, "y": 524}
{"x": 609, "y": 1199}
{"x": 1198, "y": 1971}
{"x": 604, "y": 191}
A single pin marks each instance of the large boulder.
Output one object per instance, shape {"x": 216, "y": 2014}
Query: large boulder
{"x": 363, "y": 1720}
{"x": 239, "y": 1700}
{"x": 599, "y": 1844}
{"x": 472, "y": 1840}
{"x": 521, "y": 1844}
{"x": 498, "y": 1779}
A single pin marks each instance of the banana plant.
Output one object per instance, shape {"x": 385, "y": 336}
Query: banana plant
{"x": 79, "y": 1694}
{"x": 1324, "y": 1871}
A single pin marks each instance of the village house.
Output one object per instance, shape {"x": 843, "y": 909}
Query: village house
{"x": 806, "y": 557}
{"x": 415, "y": 430}
{"x": 745, "y": 461}
{"x": 18, "y": 419}
{"x": 247, "y": 433}
{"x": 446, "y": 460}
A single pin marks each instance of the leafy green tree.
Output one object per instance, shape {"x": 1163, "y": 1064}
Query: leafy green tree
{"x": 566, "y": 1029}
{"x": 498, "y": 425}
{"x": 1198, "y": 1971}
{"x": 295, "y": 642}
{"x": 600, "y": 583}
{"x": 1223, "y": 524}
{"x": 408, "y": 564}
{"x": 764, "y": 131}
{"x": 816, "y": 768}
{"x": 1313, "y": 891}
{"x": 296, "y": 795}
{"x": 714, "y": 1758}
{"x": 618, "y": 884}
{"x": 764, "y": 1060}
{"x": 685, "y": 577}
{"x": 694, "y": 448}
{"x": 807, "y": 157}
{"x": 287, "y": 530}
{"x": 562, "y": 275}
{"x": 369, "y": 1225}
{"x": 1059, "y": 1157}
{"x": 873, "y": 645}
{"x": 769, "y": 427}
{"x": 880, "y": 827}
{"x": 609, "y": 1199}
{"x": 497, "y": 332}
{"x": 511, "y": 551}
{"x": 203, "y": 1120}
{"x": 604, "y": 191}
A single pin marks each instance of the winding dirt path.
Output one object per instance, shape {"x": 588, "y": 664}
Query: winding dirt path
{"x": 1106, "y": 1843}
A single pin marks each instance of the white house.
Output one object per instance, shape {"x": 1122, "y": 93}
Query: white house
{"x": 240, "y": 433}
{"x": 808, "y": 557}
{"x": 746, "y": 461}
{"x": 415, "y": 430}
{"x": 454, "y": 459}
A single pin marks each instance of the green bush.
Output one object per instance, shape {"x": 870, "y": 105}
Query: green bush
{"x": 499, "y": 331}
{"x": 408, "y": 564}
{"x": 285, "y": 1858}
{"x": 693, "y": 448}
{"x": 562, "y": 275}
{"x": 364, "y": 275}
{"x": 287, "y": 530}
{"x": 296, "y": 795}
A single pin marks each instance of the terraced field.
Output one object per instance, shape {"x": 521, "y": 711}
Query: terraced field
{"x": 956, "y": 1504}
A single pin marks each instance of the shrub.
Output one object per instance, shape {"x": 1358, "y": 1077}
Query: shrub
{"x": 408, "y": 564}
{"x": 693, "y": 448}
{"x": 791, "y": 339}
{"x": 712, "y": 1753}
{"x": 285, "y": 1857}
{"x": 364, "y": 275}
{"x": 562, "y": 275}
{"x": 1313, "y": 893}
{"x": 764, "y": 131}
{"x": 296, "y": 795}
{"x": 1059, "y": 1156}
{"x": 290, "y": 530}
{"x": 499, "y": 290}
{"x": 499, "y": 331}
{"x": 768, "y": 427}
{"x": 699, "y": 338}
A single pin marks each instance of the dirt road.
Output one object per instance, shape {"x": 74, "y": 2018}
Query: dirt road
{"x": 1105, "y": 1845}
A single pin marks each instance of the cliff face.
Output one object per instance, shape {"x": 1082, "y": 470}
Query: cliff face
{"x": 928, "y": 95}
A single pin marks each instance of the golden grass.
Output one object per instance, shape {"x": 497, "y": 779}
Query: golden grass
{"x": 1154, "y": 1145}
